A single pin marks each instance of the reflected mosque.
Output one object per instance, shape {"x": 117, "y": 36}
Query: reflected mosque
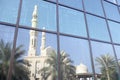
{"x": 37, "y": 62}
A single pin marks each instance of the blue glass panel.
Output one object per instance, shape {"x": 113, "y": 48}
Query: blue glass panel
{"x": 97, "y": 28}
{"x": 118, "y": 2}
{"x": 94, "y": 6}
{"x": 115, "y": 31}
{"x": 24, "y": 39}
{"x": 78, "y": 50}
{"x": 7, "y": 33}
{"x": 72, "y": 3}
{"x": 117, "y": 48}
{"x": 9, "y": 10}
{"x": 72, "y": 22}
{"x": 99, "y": 50}
{"x": 6, "y": 46}
{"x": 46, "y": 14}
{"x": 111, "y": 11}
{"x": 37, "y": 49}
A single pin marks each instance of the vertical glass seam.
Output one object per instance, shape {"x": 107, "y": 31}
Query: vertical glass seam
{"x": 58, "y": 40}
{"x": 111, "y": 39}
{"x": 87, "y": 30}
{"x": 9, "y": 75}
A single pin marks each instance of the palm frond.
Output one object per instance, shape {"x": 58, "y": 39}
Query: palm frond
{"x": 18, "y": 67}
{"x": 19, "y": 52}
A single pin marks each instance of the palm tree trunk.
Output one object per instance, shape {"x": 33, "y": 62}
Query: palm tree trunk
{"x": 107, "y": 72}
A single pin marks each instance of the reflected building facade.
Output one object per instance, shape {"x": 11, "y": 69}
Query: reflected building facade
{"x": 84, "y": 29}
{"x": 37, "y": 62}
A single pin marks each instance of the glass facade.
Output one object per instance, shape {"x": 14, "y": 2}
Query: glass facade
{"x": 59, "y": 40}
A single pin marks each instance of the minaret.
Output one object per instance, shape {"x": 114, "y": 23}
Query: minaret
{"x": 43, "y": 41}
{"x": 33, "y": 34}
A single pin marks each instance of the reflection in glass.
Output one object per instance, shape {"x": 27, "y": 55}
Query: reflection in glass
{"x": 72, "y": 22}
{"x": 72, "y": 3}
{"x": 97, "y": 9}
{"x": 113, "y": 1}
{"x": 11, "y": 7}
{"x": 104, "y": 60}
{"x": 6, "y": 33}
{"x": 6, "y": 45}
{"x": 46, "y": 14}
{"x": 53, "y": 0}
{"x": 114, "y": 28}
{"x": 111, "y": 11}
{"x": 38, "y": 46}
{"x": 118, "y": 2}
{"x": 78, "y": 50}
{"x": 117, "y": 49}
{"x": 97, "y": 28}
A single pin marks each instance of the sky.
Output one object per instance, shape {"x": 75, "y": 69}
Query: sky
{"x": 70, "y": 22}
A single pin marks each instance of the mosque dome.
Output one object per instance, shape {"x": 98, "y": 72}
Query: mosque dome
{"x": 81, "y": 69}
{"x": 48, "y": 50}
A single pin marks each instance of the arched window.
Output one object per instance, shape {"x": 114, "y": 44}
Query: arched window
{"x": 34, "y": 42}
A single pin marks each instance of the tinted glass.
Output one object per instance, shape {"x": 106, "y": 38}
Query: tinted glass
{"x": 53, "y": 0}
{"x": 114, "y": 28}
{"x": 46, "y": 14}
{"x": 104, "y": 60}
{"x": 6, "y": 33}
{"x": 37, "y": 46}
{"x": 9, "y": 10}
{"x": 113, "y": 1}
{"x": 94, "y": 6}
{"x": 6, "y": 45}
{"x": 78, "y": 50}
{"x": 97, "y": 28}
{"x": 72, "y": 3}
{"x": 117, "y": 48}
{"x": 72, "y": 22}
{"x": 111, "y": 11}
{"x": 118, "y": 2}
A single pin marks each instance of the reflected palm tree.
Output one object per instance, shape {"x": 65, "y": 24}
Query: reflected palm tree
{"x": 107, "y": 66}
{"x": 19, "y": 72}
{"x": 67, "y": 69}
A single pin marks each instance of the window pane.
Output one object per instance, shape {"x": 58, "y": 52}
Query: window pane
{"x": 46, "y": 14}
{"x": 38, "y": 46}
{"x": 97, "y": 28}
{"x": 72, "y": 22}
{"x": 10, "y": 7}
{"x": 94, "y": 6}
{"x": 6, "y": 45}
{"x": 111, "y": 11}
{"x": 114, "y": 28}
{"x": 72, "y": 3}
{"x": 104, "y": 60}
{"x": 78, "y": 51}
{"x": 118, "y": 2}
{"x": 117, "y": 48}
{"x": 6, "y": 33}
